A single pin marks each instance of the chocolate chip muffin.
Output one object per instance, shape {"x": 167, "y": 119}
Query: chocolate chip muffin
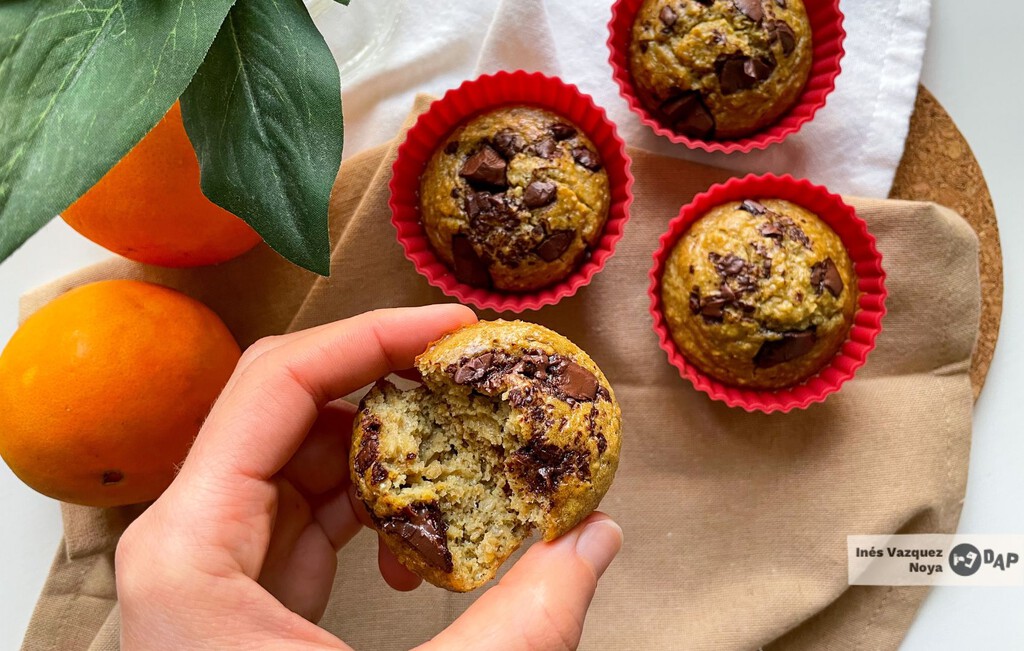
{"x": 514, "y": 429}
{"x": 759, "y": 294}
{"x": 720, "y": 68}
{"x": 514, "y": 199}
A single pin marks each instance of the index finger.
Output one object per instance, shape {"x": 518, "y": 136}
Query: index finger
{"x": 266, "y": 411}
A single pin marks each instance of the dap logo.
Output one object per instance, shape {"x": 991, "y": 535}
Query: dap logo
{"x": 965, "y": 559}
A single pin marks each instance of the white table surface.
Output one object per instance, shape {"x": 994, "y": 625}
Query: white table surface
{"x": 972, "y": 69}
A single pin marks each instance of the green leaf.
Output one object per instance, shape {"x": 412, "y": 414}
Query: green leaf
{"x": 264, "y": 116}
{"x": 80, "y": 83}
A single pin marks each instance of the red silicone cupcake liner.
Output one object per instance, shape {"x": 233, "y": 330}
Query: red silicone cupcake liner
{"x": 867, "y": 263}
{"x": 463, "y": 103}
{"x": 827, "y": 29}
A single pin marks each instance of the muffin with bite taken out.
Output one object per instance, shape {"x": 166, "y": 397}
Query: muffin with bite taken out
{"x": 514, "y": 430}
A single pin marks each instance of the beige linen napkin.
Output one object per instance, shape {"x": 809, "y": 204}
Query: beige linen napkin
{"x": 735, "y": 523}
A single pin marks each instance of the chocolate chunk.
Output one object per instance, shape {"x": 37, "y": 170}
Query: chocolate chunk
{"x": 595, "y": 432}
{"x": 726, "y": 292}
{"x": 544, "y": 466}
{"x": 738, "y": 278}
{"x": 760, "y": 69}
{"x": 509, "y": 143}
{"x": 562, "y": 131}
{"x": 781, "y": 3}
{"x": 753, "y": 207}
{"x": 560, "y": 374}
{"x": 791, "y": 346}
{"x": 539, "y": 194}
{"x": 476, "y": 203}
{"x": 485, "y": 168}
{"x": 712, "y": 308}
{"x": 668, "y": 16}
{"x": 369, "y": 445}
{"x": 111, "y": 477}
{"x": 746, "y": 281}
{"x": 794, "y": 232}
{"x": 555, "y": 245}
{"x": 644, "y": 46}
{"x": 379, "y": 473}
{"x": 451, "y": 147}
{"x": 780, "y": 227}
{"x": 799, "y": 236}
{"x": 688, "y": 114}
{"x": 586, "y": 158}
{"x": 546, "y": 148}
{"x": 770, "y": 229}
{"x": 736, "y": 270}
{"x": 486, "y": 205}
{"x": 706, "y": 3}
{"x": 470, "y": 268}
{"x": 533, "y": 365}
{"x": 752, "y": 9}
{"x": 577, "y": 382}
{"x": 695, "y": 300}
{"x": 728, "y": 265}
{"x": 474, "y": 369}
{"x": 557, "y": 364}
{"x": 738, "y": 72}
{"x": 554, "y": 373}
{"x": 483, "y": 372}
{"x": 825, "y": 275}
{"x": 780, "y": 31}
{"x": 422, "y": 527}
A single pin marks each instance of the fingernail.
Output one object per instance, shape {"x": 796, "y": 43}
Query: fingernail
{"x": 598, "y": 544}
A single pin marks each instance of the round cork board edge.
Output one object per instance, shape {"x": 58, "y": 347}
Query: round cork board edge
{"x": 939, "y": 166}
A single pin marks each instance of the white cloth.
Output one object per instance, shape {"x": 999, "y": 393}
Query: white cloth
{"x": 853, "y": 145}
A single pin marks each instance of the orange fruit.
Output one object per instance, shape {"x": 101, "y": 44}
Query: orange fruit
{"x": 149, "y": 207}
{"x": 103, "y": 390}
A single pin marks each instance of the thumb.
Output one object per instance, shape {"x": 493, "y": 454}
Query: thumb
{"x": 542, "y": 601}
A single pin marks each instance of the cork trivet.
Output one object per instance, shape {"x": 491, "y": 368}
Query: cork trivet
{"x": 938, "y": 166}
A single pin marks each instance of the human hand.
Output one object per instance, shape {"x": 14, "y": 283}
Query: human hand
{"x": 240, "y": 551}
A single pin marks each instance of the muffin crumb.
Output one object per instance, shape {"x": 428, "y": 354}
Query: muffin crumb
{"x": 514, "y": 430}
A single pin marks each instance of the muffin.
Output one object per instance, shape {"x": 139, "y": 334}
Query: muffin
{"x": 514, "y": 429}
{"x": 720, "y": 69}
{"x": 759, "y": 294}
{"x": 514, "y": 199}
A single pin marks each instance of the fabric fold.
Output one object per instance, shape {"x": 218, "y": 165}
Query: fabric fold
{"x": 519, "y": 37}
